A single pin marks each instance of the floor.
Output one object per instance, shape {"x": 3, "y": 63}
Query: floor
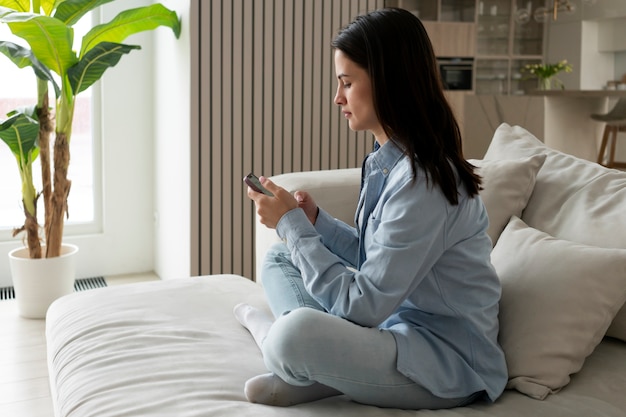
{"x": 24, "y": 389}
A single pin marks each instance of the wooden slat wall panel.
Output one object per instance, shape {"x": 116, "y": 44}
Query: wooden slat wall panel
{"x": 266, "y": 84}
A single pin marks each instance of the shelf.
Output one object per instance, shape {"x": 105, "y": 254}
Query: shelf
{"x": 487, "y": 31}
{"x": 438, "y": 10}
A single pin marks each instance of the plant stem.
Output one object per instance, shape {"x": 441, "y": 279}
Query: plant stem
{"x": 45, "y": 128}
{"x": 29, "y": 200}
{"x": 61, "y": 185}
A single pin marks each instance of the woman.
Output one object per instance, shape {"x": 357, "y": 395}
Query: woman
{"x": 401, "y": 310}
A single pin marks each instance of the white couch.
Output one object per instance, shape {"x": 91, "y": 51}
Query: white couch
{"x": 173, "y": 348}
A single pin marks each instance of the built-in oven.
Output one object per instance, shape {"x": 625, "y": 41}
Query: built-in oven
{"x": 456, "y": 73}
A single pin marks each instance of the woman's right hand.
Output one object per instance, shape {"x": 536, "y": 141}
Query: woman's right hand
{"x": 306, "y": 203}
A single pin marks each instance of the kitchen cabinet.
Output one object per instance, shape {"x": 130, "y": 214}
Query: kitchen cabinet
{"x": 438, "y": 10}
{"x": 508, "y": 37}
{"x": 456, "y": 100}
{"x": 452, "y": 39}
{"x": 450, "y": 24}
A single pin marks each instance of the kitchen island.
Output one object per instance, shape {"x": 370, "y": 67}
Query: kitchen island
{"x": 560, "y": 118}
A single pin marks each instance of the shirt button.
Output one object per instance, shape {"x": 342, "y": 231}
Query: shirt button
{"x": 385, "y": 171}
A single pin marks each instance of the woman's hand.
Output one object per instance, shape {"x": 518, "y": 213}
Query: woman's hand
{"x": 271, "y": 209}
{"x": 305, "y": 202}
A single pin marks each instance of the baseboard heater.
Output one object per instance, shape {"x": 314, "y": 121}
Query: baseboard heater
{"x": 83, "y": 284}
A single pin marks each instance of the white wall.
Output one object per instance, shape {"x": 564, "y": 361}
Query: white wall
{"x": 172, "y": 194}
{"x": 620, "y": 65}
{"x": 592, "y": 39}
{"x": 124, "y": 244}
{"x": 597, "y": 67}
{"x": 564, "y": 38}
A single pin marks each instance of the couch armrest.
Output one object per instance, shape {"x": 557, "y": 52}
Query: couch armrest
{"x": 336, "y": 190}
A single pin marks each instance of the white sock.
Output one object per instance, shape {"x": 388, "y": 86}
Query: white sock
{"x": 257, "y": 321}
{"x": 269, "y": 389}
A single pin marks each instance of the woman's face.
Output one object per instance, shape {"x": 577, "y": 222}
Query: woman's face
{"x": 354, "y": 96}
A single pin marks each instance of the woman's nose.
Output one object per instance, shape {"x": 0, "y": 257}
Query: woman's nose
{"x": 339, "y": 99}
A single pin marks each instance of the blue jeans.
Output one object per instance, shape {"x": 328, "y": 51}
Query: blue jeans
{"x": 306, "y": 344}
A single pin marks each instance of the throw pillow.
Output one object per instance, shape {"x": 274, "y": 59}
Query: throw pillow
{"x": 558, "y": 299}
{"x": 507, "y": 186}
{"x": 573, "y": 199}
{"x": 618, "y": 327}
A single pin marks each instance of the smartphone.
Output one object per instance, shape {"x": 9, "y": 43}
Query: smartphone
{"x": 254, "y": 183}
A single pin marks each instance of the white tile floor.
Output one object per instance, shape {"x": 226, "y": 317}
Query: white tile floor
{"x": 24, "y": 390}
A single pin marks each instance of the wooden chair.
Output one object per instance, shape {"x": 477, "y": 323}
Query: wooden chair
{"x": 615, "y": 122}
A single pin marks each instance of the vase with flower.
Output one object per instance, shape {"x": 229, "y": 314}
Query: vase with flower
{"x": 546, "y": 74}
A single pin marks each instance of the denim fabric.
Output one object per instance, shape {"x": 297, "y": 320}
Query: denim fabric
{"x": 283, "y": 283}
{"x": 307, "y": 345}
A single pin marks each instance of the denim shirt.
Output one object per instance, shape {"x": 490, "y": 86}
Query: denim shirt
{"x": 416, "y": 266}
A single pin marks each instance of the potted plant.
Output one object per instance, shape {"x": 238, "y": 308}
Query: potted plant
{"x": 546, "y": 74}
{"x": 47, "y": 27}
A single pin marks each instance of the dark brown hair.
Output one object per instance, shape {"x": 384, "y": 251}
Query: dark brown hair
{"x": 393, "y": 47}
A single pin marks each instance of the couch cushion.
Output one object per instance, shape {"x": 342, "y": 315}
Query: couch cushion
{"x": 552, "y": 315}
{"x": 506, "y": 188}
{"x": 573, "y": 199}
{"x": 173, "y": 348}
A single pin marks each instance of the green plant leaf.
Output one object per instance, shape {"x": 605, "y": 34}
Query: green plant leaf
{"x": 91, "y": 67}
{"x": 16, "y": 53}
{"x": 21, "y": 132}
{"x": 70, "y": 11}
{"x": 23, "y": 57}
{"x": 130, "y": 22}
{"x": 49, "y": 39}
{"x": 49, "y": 5}
{"x": 18, "y": 5}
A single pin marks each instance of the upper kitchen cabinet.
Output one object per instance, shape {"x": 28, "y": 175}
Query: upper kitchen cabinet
{"x": 451, "y": 39}
{"x": 509, "y": 35}
{"x": 450, "y": 24}
{"x": 438, "y": 10}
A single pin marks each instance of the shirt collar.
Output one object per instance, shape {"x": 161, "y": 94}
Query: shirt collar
{"x": 386, "y": 157}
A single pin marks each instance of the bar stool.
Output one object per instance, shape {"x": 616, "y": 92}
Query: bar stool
{"x": 615, "y": 122}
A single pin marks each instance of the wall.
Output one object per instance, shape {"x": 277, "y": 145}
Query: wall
{"x": 172, "y": 150}
{"x": 591, "y": 39}
{"x": 266, "y": 89}
{"x": 620, "y": 65}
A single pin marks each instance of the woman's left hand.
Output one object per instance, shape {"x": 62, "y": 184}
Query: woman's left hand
{"x": 271, "y": 209}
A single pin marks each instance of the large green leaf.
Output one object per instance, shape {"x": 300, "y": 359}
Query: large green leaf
{"x": 23, "y": 57}
{"x": 21, "y": 133}
{"x": 130, "y": 22}
{"x": 49, "y": 5}
{"x": 91, "y": 67}
{"x": 70, "y": 11}
{"x": 49, "y": 38}
{"x": 18, "y": 5}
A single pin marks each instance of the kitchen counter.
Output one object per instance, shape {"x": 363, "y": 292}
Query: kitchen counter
{"x": 579, "y": 93}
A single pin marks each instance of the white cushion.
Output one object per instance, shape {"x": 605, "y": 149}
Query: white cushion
{"x": 617, "y": 329}
{"x": 506, "y": 188}
{"x": 573, "y": 199}
{"x": 558, "y": 299}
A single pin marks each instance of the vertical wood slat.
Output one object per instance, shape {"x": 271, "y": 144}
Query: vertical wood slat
{"x": 195, "y": 132}
{"x": 266, "y": 105}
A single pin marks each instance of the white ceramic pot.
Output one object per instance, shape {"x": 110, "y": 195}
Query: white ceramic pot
{"x": 38, "y": 282}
